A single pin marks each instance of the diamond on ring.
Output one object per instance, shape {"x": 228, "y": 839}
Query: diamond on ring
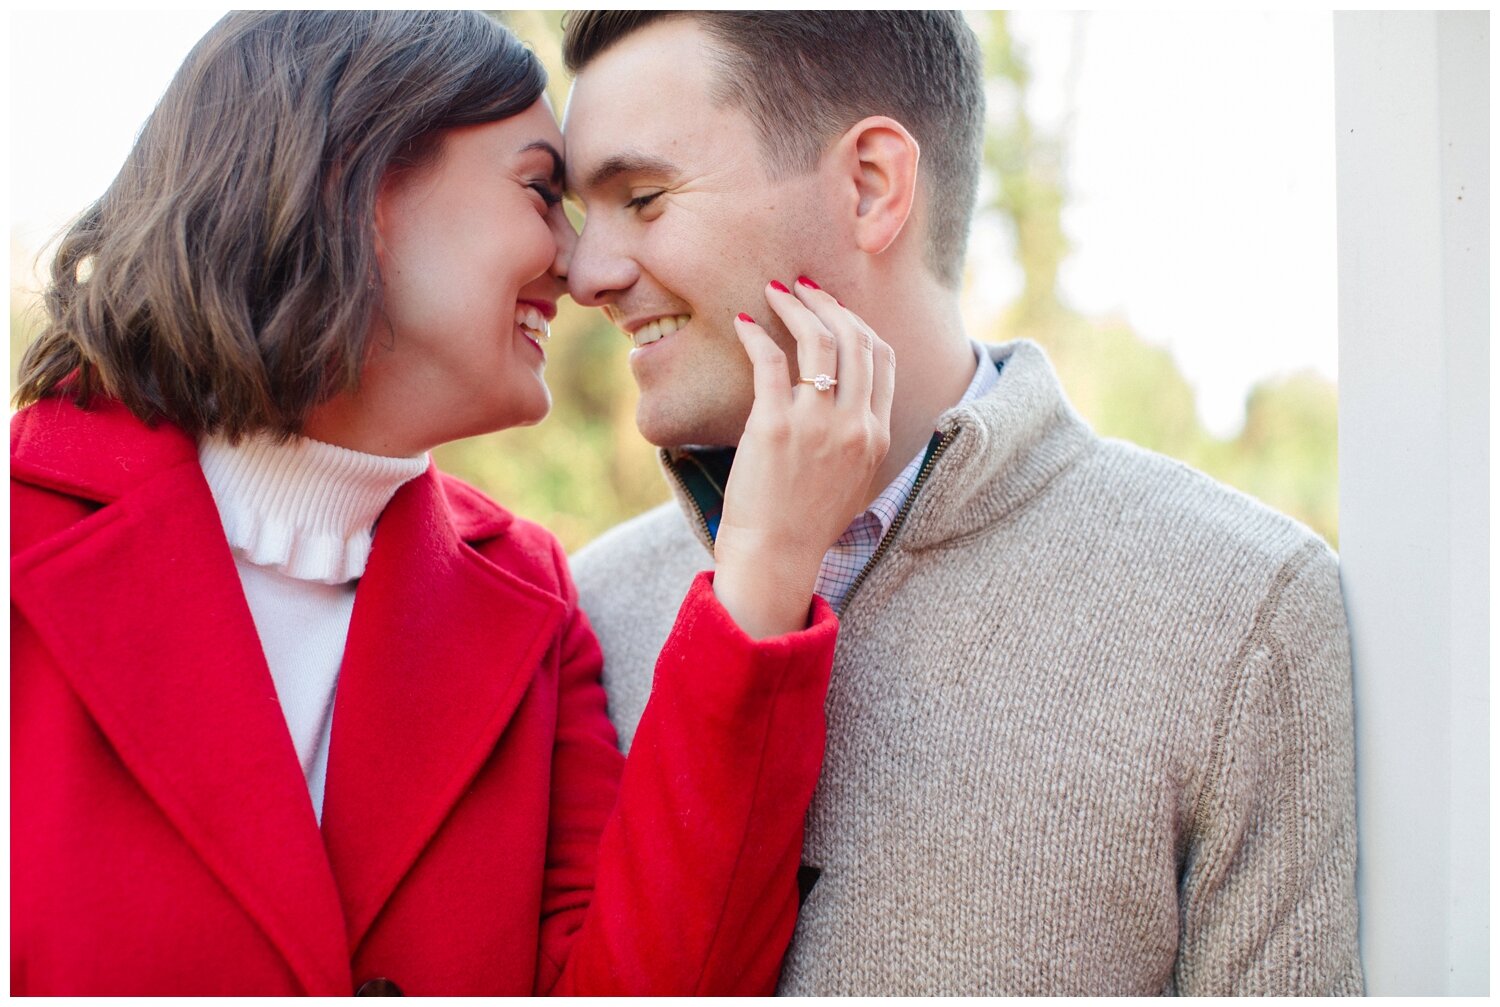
{"x": 822, "y": 382}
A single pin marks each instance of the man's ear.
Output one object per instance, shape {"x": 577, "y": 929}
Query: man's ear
{"x": 881, "y": 158}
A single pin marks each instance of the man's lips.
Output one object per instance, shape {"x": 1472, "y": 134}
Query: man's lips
{"x": 645, "y": 332}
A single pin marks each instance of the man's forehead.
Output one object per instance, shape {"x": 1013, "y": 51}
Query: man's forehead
{"x": 648, "y": 95}
{"x": 605, "y": 117}
{"x": 599, "y": 156}
{"x": 603, "y": 148}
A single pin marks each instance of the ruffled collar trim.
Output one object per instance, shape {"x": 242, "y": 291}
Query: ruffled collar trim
{"x": 303, "y": 508}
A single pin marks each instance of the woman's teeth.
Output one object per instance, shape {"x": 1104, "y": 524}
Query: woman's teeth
{"x": 654, "y": 330}
{"x": 533, "y": 323}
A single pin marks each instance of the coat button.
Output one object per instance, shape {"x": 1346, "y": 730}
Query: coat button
{"x": 378, "y": 988}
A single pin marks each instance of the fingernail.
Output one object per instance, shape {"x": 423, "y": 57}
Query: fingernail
{"x": 778, "y": 285}
{"x": 746, "y": 318}
{"x": 808, "y": 283}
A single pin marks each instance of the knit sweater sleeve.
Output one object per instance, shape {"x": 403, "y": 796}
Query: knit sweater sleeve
{"x": 1268, "y": 900}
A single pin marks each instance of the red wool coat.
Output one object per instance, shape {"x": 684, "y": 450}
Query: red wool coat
{"x": 478, "y": 835}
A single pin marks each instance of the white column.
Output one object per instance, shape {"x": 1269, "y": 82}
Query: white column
{"x": 1412, "y": 121}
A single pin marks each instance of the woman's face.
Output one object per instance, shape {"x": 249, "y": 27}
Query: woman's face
{"x": 473, "y": 248}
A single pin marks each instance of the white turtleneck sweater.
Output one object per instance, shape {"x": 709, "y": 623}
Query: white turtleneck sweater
{"x": 300, "y": 519}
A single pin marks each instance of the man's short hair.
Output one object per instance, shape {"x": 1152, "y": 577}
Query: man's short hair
{"x": 803, "y": 77}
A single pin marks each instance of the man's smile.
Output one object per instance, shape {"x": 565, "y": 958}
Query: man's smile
{"x": 647, "y": 331}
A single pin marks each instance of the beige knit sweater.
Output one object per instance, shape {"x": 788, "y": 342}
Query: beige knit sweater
{"x": 1089, "y": 727}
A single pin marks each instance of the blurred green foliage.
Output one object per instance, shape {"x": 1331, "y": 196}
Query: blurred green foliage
{"x": 1287, "y": 452}
{"x": 586, "y": 468}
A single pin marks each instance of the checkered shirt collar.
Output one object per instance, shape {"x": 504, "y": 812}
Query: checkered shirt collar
{"x": 856, "y": 547}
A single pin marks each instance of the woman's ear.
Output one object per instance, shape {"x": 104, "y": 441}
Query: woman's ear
{"x": 383, "y": 196}
{"x": 880, "y": 158}
{"x": 393, "y": 201}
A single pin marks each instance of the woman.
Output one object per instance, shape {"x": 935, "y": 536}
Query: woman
{"x": 292, "y": 712}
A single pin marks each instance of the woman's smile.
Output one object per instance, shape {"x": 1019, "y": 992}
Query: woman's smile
{"x": 534, "y": 322}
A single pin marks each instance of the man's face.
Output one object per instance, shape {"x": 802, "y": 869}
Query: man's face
{"x": 684, "y": 227}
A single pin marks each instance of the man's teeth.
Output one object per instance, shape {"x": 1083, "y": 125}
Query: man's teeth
{"x": 533, "y": 323}
{"x": 654, "y": 330}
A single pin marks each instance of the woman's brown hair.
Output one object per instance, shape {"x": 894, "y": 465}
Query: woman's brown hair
{"x": 227, "y": 280}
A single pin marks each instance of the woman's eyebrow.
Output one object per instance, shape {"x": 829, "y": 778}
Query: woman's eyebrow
{"x": 558, "y": 168}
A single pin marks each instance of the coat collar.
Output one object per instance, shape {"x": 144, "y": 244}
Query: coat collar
{"x": 98, "y": 454}
{"x": 142, "y": 608}
{"x": 442, "y": 646}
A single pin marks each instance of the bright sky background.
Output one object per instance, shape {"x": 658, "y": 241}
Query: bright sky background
{"x": 1201, "y": 165}
{"x": 1200, "y": 169}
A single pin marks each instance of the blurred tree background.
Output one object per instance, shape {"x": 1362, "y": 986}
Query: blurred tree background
{"x": 586, "y": 468}
{"x": 1287, "y": 452}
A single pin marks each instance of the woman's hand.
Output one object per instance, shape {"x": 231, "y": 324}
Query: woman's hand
{"x": 803, "y": 469}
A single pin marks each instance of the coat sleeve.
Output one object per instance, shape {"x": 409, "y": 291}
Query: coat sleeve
{"x": 1268, "y": 898}
{"x": 683, "y": 881}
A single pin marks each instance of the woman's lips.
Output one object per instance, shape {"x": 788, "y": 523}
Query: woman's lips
{"x": 532, "y": 323}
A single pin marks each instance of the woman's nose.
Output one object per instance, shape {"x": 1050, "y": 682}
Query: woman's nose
{"x": 567, "y": 242}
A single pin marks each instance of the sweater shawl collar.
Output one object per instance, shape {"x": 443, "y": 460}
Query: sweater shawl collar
{"x": 1005, "y": 448}
{"x": 993, "y": 455}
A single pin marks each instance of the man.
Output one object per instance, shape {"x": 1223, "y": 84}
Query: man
{"x": 1089, "y": 727}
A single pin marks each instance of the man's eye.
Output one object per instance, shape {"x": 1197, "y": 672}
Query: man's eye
{"x": 548, "y": 196}
{"x": 641, "y": 202}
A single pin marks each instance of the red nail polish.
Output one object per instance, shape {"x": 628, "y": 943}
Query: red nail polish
{"x": 746, "y": 318}
{"x": 808, "y": 283}
{"x": 778, "y": 285}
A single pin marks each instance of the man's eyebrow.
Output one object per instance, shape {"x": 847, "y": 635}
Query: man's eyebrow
{"x": 629, "y": 164}
{"x": 558, "y": 171}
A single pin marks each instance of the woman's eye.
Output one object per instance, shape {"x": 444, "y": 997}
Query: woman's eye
{"x": 549, "y": 197}
{"x": 641, "y": 202}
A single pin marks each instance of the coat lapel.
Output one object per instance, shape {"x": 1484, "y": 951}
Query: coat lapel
{"x": 142, "y": 609}
{"x": 442, "y": 646}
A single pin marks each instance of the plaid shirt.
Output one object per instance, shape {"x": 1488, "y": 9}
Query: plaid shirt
{"x": 856, "y": 547}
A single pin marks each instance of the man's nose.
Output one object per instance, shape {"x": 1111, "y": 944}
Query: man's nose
{"x": 599, "y": 270}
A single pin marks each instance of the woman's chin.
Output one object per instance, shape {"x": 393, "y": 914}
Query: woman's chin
{"x": 541, "y": 408}
{"x": 535, "y": 419}
{"x": 527, "y": 413}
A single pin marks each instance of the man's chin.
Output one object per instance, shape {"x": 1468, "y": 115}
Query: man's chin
{"x": 671, "y": 429}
